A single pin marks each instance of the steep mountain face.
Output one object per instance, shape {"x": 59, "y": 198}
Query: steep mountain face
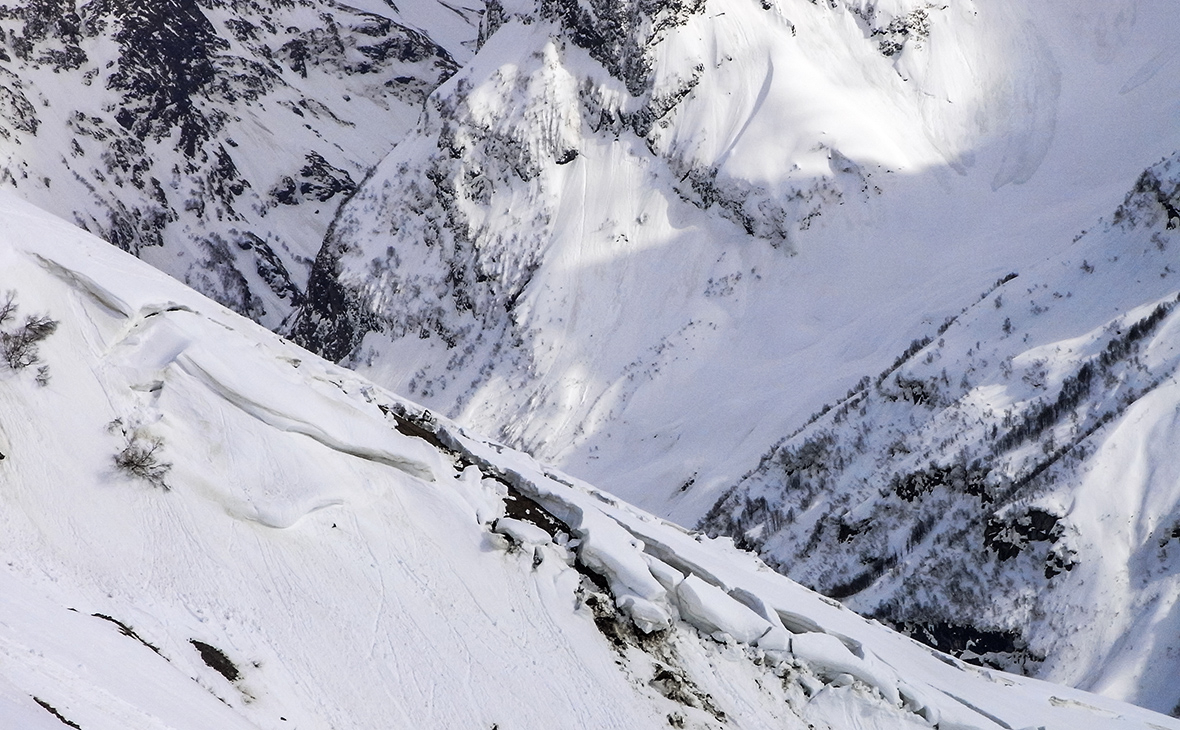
{"x": 642, "y": 240}
{"x": 1008, "y": 489}
{"x": 214, "y": 138}
{"x": 643, "y": 223}
{"x": 202, "y": 525}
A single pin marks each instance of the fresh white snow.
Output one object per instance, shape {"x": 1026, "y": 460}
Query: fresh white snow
{"x": 334, "y": 543}
{"x": 647, "y": 274}
{"x": 659, "y": 310}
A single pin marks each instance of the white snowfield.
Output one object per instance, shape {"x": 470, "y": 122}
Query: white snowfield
{"x": 699, "y": 266}
{"x": 323, "y": 554}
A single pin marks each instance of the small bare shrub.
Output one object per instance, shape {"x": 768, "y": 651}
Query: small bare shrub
{"x": 19, "y": 346}
{"x": 140, "y": 456}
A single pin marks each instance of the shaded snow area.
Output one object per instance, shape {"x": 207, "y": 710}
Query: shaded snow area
{"x": 645, "y": 242}
{"x": 1008, "y": 489}
{"x": 214, "y": 139}
{"x": 202, "y": 525}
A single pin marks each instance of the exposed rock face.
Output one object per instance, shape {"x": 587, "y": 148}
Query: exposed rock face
{"x": 450, "y": 247}
{"x": 454, "y": 272}
{"x": 212, "y": 138}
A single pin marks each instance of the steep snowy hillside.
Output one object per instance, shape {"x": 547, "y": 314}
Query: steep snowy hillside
{"x": 202, "y": 525}
{"x": 686, "y": 225}
{"x": 1013, "y": 480}
{"x": 214, "y": 139}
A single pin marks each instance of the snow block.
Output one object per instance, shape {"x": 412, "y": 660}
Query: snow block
{"x": 668, "y": 576}
{"x": 612, "y": 552}
{"x": 829, "y": 657}
{"x": 646, "y": 616}
{"x": 522, "y": 532}
{"x": 777, "y": 640}
{"x": 485, "y": 497}
{"x": 710, "y": 609}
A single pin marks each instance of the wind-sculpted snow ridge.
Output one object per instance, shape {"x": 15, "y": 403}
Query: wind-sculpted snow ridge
{"x": 214, "y": 139}
{"x": 321, "y": 553}
{"x": 1008, "y": 490}
{"x": 623, "y": 223}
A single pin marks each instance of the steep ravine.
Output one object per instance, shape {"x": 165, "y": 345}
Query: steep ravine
{"x": 1007, "y": 490}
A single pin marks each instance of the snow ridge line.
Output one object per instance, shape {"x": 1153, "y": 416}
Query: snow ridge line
{"x": 691, "y": 592}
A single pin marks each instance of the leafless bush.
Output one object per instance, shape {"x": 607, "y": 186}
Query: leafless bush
{"x": 140, "y": 456}
{"x": 19, "y": 346}
{"x": 7, "y": 307}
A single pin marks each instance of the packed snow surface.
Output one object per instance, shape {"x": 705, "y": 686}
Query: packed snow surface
{"x": 311, "y": 551}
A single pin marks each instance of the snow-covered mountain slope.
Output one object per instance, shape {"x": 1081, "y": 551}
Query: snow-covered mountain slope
{"x": 214, "y": 139}
{"x": 202, "y": 525}
{"x": 689, "y": 224}
{"x": 1013, "y": 479}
